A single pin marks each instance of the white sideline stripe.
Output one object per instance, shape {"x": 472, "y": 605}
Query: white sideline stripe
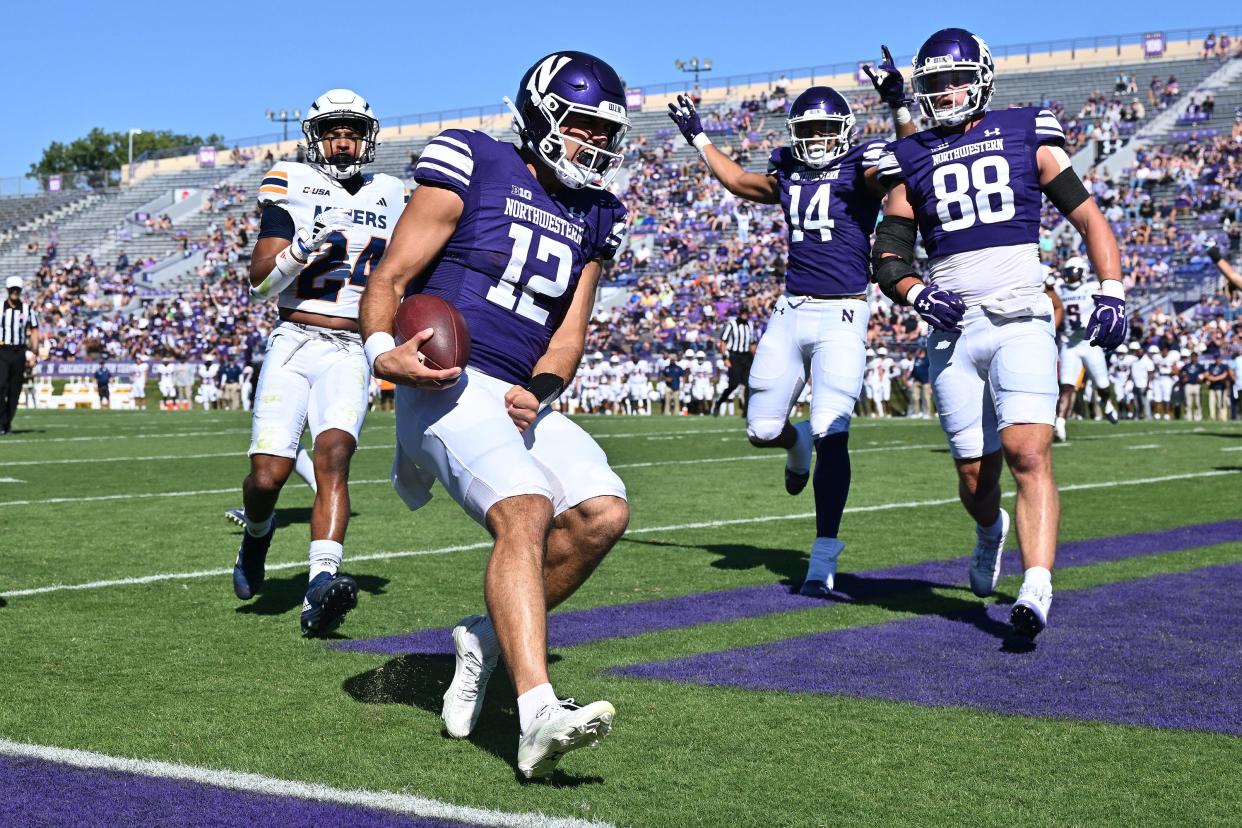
{"x": 1143, "y": 447}
{"x": 11, "y": 480}
{"x": 647, "y": 530}
{"x": 390, "y": 447}
{"x": 254, "y": 783}
{"x": 114, "y": 437}
{"x": 644, "y": 465}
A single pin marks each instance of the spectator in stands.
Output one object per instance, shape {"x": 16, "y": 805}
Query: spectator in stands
{"x": 1209, "y": 45}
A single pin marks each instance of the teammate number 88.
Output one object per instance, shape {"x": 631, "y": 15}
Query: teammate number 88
{"x": 983, "y": 204}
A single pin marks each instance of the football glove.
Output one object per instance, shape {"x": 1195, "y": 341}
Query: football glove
{"x": 940, "y": 308}
{"x": 306, "y": 243}
{"x": 687, "y": 119}
{"x": 890, "y": 86}
{"x": 1213, "y": 252}
{"x": 1108, "y": 326}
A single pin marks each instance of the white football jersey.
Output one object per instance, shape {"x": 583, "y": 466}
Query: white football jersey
{"x": 1079, "y": 304}
{"x": 1166, "y": 363}
{"x": 333, "y": 281}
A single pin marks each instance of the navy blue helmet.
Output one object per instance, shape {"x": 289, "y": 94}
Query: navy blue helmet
{"x": 953, "y": 61}
{"x": 564, "y": 84}
{"x": 821, "y": 126}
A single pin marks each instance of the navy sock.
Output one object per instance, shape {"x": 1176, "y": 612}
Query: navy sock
{"x": 832, "y": 482}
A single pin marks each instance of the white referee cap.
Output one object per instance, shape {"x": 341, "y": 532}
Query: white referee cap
{"x": 13, "y": 282}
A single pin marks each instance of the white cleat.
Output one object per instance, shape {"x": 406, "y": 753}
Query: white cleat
{"x": 1029, "y": 615}
{"x": 798, "y": 461}
{"x": 463, "y": 701}
{"x": 985, "y": 564}
{"x": 1058, "y": 431}
{"x": 557, "y": 730}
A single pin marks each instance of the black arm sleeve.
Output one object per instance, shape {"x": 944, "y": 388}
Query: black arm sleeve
{"x": 895, "y": 235}
{"x": 276, "y": 221}
{"x": 1066, "y": 191}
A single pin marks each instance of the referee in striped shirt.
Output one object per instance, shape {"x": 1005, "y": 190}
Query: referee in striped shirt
{"x": 18, "y": 331}
{"x": 737, "y": 343}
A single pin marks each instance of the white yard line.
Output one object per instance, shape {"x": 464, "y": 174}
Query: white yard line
{"x": 707, "y": 524}
{"x": 254, "y": 783}
{"x": 389, "y": 447}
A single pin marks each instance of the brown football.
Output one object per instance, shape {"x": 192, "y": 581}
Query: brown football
{"x": 449, "y": 346}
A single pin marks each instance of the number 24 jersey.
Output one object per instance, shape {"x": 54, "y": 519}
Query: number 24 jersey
{"x": 334, "y": 280}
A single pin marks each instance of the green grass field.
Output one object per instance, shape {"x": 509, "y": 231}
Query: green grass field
{"x": 176, "y": 669}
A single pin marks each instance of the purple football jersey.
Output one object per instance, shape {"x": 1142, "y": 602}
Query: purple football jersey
{"x": 830, "y": 214}
{"x": 512, "y": 265}
{"x": 976, "y": 189}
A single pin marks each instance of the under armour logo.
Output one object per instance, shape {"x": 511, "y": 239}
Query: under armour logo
{"x": 988, "y": 133}
{"x": 382, "y": 203}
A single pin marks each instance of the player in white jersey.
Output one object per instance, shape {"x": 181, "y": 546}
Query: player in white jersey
{"x": 166, "y": 371}
{"x": 138, "y": 381}
{"x": 1168, "y": 364}
{"x": 325, "y": 225}
{"x": 1078, "y": 355}
{"x": 208, "y": 390}
{"x": 1119, "y": 375}
{"x": 701, "y": 390}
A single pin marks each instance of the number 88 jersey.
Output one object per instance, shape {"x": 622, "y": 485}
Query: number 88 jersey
{"x": 975, "y": 189}
{"x": 333, "y": 281}
{"x": 513, "y": 262}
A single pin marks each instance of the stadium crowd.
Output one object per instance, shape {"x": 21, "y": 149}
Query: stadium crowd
{"x": 697, "y": 257}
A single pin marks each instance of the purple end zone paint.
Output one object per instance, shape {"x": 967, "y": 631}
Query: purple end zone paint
{"x": 1160, "y": 651}
{"x": 36, "y": 792}
{"x": 568, "y": 629}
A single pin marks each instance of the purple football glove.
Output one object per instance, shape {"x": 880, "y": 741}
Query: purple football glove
{"x": 1108, "y": 326}
{"x": 891, "y": 86}
{"x": 942, "y": 309}
{"x": 686, "y": 117}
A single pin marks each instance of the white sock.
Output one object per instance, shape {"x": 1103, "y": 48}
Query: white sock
{"x": 1038, "y": 576}
{"x": 258, "y": 528}
{"x": 325, "y": 556}
{"x": 532, "y": 701}
{"x": 305, "y": 467}
{"x": 824, "y": 555}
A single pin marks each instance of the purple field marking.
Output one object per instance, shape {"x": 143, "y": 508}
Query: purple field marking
{"x": 37, "y": 792}
{"x": 1160, "y": 651}
{"x": 574, "y": 627}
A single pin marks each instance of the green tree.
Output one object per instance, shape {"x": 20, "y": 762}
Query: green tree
{"x": 99, "y": 156}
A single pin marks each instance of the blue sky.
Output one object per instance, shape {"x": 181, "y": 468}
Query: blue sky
{"x": 216, "y": 67}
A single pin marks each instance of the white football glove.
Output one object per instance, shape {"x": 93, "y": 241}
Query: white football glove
{"x": 306, "y": 243}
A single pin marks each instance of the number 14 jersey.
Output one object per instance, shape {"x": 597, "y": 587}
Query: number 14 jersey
{"x": 512, "y": 264}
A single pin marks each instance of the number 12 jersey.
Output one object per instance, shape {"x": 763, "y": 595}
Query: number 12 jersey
{"x": 512, "y": 264}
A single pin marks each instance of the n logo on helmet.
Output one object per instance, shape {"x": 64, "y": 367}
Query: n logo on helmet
{"x": 545, "y": 72}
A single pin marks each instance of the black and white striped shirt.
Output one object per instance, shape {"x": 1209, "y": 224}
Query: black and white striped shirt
{"x": 15, "y": 322}
{"x": 737, "y": 335}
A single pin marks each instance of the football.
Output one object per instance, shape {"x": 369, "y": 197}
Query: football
{"x": 449, "y": 346}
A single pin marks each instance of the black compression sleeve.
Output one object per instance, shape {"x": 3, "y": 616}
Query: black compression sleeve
{"x": 1066, "y": 191}
{"x": 895, "y": 235}
{"x": 276, "y": 221}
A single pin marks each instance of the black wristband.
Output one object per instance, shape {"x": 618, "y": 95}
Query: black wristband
{"x": 1066, "y": 191}
{"x": 545, "y": 387}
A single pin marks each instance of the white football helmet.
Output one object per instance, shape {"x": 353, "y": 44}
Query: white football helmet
{"x": 1074, "y": 270}
{"x": 334, "y": 108}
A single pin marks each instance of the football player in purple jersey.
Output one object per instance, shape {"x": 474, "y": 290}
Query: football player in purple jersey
{"x": 972, "y": 186}
{"x": 827, "y": 187}
{"x": 513, "y": 237}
